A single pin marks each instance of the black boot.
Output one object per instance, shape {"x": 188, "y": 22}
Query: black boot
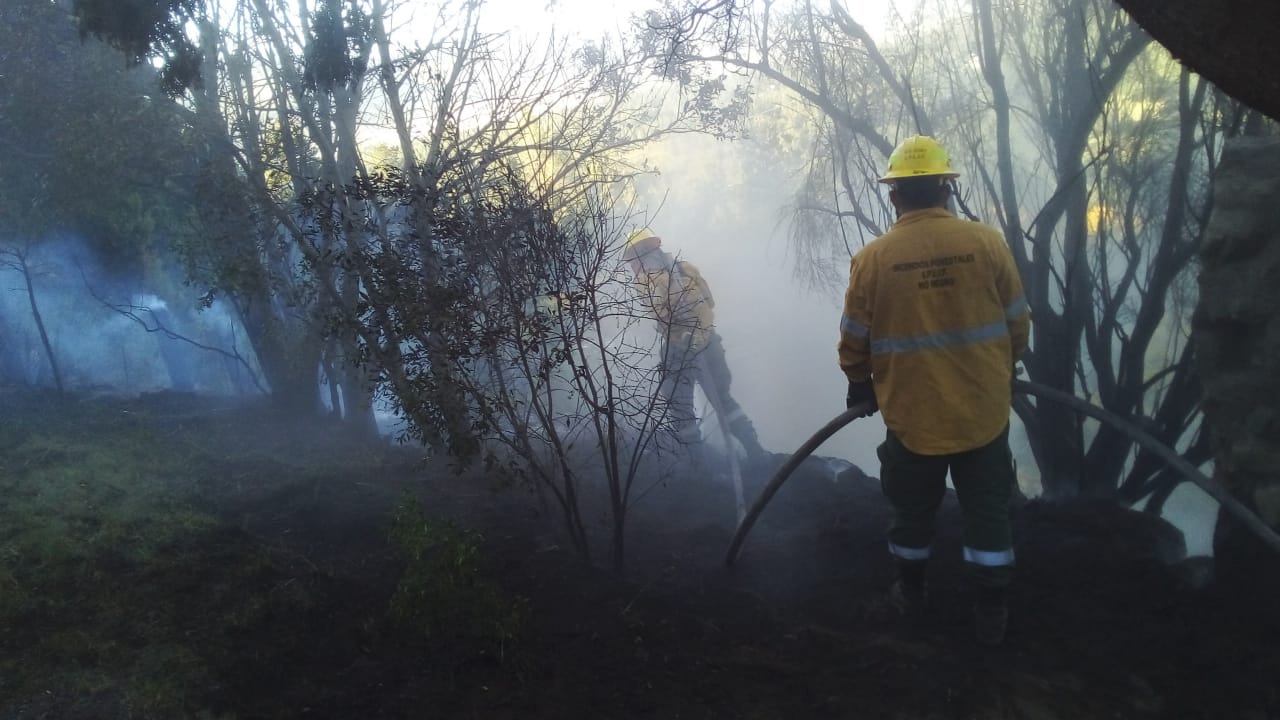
{"x": 990, "y": 616}
{"x": 908, "y": 593}
{"x": 746, "y": 434}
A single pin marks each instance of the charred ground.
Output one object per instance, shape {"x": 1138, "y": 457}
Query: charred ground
{"x": 173, "y": 556}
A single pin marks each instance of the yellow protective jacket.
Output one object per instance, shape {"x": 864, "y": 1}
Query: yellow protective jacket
{"x": 935, "y": 316}
{"x": 679, "y": 298}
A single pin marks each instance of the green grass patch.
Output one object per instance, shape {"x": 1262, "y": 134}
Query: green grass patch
{"x": 117, "y": 587}
{"x": 443, "y": 595}
{"x": 132, "y": 583}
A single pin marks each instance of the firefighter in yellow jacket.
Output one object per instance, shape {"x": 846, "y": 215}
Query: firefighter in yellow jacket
{"x": 675, "y": 292}
{"x": 934, "y": 319}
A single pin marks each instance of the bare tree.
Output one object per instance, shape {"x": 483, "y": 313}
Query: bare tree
{"x": 290, "y": 94}
{"x": 409, "y": 280}
{"x": 18, "y": 258}
{"x": 1043, "y": 122}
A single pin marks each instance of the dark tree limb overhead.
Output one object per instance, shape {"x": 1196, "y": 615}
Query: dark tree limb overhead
{"x": 1233, "y": 43}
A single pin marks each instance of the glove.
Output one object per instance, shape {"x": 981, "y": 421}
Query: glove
{"x": 859, "y": 393}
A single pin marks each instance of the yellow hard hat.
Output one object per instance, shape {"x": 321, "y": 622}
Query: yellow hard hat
{"x": 917, "y": 156}
{"x": 643, "y": 239}
{"x": 642, "y": 235}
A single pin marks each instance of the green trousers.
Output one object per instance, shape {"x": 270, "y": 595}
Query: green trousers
{"x": 984, "y": 480}
{"x": 709, "y": 368}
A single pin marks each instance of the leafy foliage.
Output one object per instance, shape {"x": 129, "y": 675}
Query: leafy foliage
{"x": 92, "y": 150}
{"x": 443, "y": 595}
{"x": 147, "y": 28}
{"x": 499, "y": 328}
{"x": 334, "y": 36}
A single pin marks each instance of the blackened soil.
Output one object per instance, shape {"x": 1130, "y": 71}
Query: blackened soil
{"x": 1102, "y": 626}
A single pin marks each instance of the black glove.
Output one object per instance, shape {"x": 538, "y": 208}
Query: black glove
{"x": 860, "y": 393}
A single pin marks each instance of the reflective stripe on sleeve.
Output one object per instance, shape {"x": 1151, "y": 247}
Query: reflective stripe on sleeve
{"x": 989, "y": 558}
{"x": 853, "y": 327}
{"x": 907, "y": 553}
{"x": 1015, "y": 309}
{"x": 940, "y": 340}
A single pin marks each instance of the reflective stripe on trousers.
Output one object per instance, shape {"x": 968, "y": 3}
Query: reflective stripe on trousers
{"x": 984, "y": 481}
{"x": 909, "y": 553}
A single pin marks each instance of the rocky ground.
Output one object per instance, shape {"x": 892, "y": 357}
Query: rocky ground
{"x": 173, "y": 556}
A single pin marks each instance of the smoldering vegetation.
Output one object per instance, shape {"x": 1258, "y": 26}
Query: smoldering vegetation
{"x": 341, "y": 330}
{"x": 108, "y": 334}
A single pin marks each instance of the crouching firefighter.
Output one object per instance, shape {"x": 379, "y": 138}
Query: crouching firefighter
{"x": 934, "y": 319}
{"x": 677, "y": 296}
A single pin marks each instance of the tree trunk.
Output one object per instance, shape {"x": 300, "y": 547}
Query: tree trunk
{"x": 357, "y": 401}
{"x": 1052, "y": 251}
{"x": 290, "y": 361}
{"x": 1237, "y": 332}
{"x": 10, "y": 368}
{"x": 35, "y": 315}
{"x": 176, "y": 357}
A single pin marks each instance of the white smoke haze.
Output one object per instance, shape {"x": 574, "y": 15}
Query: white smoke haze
{"x": 779, "y": 334}
{"x": 108, "y": 335}
{"x": 722, "y": 205}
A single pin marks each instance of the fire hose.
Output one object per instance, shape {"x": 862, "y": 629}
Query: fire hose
{"x": 1228, "y": 502}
